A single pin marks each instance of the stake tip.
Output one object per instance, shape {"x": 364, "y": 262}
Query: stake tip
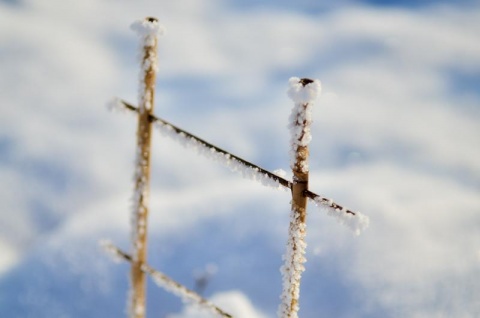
{"x": 151, "y": 19}
{"x": 305, "y": 81}
{"x": 303, "y": 90}
{"x": 148, "y": 26}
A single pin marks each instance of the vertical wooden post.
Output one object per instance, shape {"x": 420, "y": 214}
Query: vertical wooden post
{"x": 298, "y": 219}
{"x": 148, "y": 30}
{"x": 303, "y": 92}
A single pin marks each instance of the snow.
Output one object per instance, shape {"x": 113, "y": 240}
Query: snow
{"x": 234, "y": 301}
{"x": 293, "y": 268}
{"x": 9, "y": 256}
{"x": 445, "y": 158}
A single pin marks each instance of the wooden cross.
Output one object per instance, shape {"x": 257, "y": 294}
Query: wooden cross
{"x": 303, "y": 92}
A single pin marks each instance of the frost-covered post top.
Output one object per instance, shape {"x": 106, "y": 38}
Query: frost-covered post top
{"x": 149, "y": 29}
{"x": 303, "y": 90}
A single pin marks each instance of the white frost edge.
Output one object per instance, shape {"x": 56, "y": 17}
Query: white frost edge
{"x": 161, "y": 280}
{"x": 301, "y": 117}
{"x": 138, "y": 220}
{"x": 116, "y": 105}
{"x": 280, "y": 172}
{"x": 149, "y": 31}
{"x": 356, "y": 223}
{"x": 111, "y": 250}
{"x": 293, "y": 267}
{"x": 187, "y": 296}
{"x": 146, "y": 28}
{"x": 212, "y": 154}
{"x": 303, "y": 94}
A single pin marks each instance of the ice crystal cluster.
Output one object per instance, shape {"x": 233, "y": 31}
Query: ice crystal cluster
{"x": 356, "y": 222}
{"x": 204, "y": 149}
{"x": 187, "y": 296}
{"x": 117, "y": 105}
{"x": 303, "y": 92}
{"x": 148, "y": 30}
{"x": 293, "y": 268}
{"x": 140, "y": 196}
{"x": 214, "y": 154}
{"x": 111, "y": 250}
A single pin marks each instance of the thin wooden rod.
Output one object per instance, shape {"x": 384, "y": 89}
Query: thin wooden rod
{"x": 284, "y": 182}
{"x": 168, "y": 283}
{"x": 143, "y": 163}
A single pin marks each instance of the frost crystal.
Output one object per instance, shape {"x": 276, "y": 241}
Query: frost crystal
{"x": 280, "y": 172}
{"x": 293, "y": 267}
{"x": 187, "y": 296}
{"x": 148, "y": 27}
{"x": 116, "y": 104}
{"x": 303, "y": 92}
{"x": 111, "y": 250}
{"x": 357, "y": 223}
{"x": 149, "y": 30}
{"x": 215, "y": 155}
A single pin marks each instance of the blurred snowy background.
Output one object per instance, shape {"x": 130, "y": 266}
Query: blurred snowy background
{"x": 396, "y": 135}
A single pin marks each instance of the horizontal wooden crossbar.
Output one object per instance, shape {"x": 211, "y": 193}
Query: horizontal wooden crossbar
{"x": 167, "y": 282}
{"x": 284, "y": 182}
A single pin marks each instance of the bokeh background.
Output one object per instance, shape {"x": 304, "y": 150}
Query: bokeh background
{"x": 396, "y": 135}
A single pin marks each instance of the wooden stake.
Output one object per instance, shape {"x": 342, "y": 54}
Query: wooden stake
{"x": 188, "y": 296}
{"x": 329, "y": 203}
{"x": 300, "y": 137}
{"x": 142, "y": 173}
{"x": 298, "y": 223}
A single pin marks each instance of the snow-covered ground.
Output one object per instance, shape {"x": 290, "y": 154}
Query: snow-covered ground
{"x": 395, "y": 135}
